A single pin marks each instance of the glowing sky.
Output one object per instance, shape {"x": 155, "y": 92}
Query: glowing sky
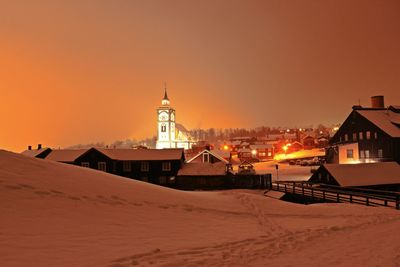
{"x": 86, "y": 71}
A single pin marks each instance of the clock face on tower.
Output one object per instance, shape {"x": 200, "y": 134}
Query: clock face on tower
{"x": 163, "y": 116}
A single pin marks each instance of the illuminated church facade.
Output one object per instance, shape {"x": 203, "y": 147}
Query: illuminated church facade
{"x": 169, "y": 133}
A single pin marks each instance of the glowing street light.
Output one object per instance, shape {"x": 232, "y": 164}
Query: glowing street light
{"x": 254, "y": 152}
{"x": 226, "y": 147}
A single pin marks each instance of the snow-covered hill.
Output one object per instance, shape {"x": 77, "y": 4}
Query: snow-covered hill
{"x": 52, "y": 214}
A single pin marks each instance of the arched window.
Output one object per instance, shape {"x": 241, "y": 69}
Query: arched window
{"x": 163, "y": 128}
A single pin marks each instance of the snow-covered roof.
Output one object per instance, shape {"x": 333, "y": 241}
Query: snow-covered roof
{"x": 34, "y": 152}
{"x": 66, "y": 155}
{"x": 212, "y": 152}
{"x": 386, "y": 120}
{"x": 365, "y": 174}
{"x": 181, "y": 128}
{"x": 143, "y": 154}
{"x": 203, "y": 169}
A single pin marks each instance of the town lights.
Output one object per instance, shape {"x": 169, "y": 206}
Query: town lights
{"x": 254, "y": 152}
{"x": 226, "y": 147}
{"x": 285, "y": 148}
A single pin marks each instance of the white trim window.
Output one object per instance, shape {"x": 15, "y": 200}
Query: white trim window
{"x": 380, "y": 153}
{"x": 368, "y": 135}
{"x": 362, "y": 154}
{"x": 144, "y": 166}
{"x": 367, "y": 154}
{"x": 349, "y": 153}
{"x": 102, "y": 166}
{"x": 85, "y": 164}
{"x": 126, "y": 166}
{"x": 166, "y": 166}
{"x": 360, "y": 136}
{"x": 354, "y": 136}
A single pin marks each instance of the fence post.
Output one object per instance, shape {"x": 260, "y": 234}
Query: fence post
{"x": 302, "y": 189}
{"x": 337, "y": 197}
{"x": 351, "y": 198}
{"x": 367, "y": 201}
{"x": 285, "y": 189}
{"x": 385, "y": 203}
{"x": 323, "y": 195}
{"x": 312, "y": 193}
{"x": 397, "y": 202}
{"x": 277, "y": 186}
{"x": 294, "y": 187}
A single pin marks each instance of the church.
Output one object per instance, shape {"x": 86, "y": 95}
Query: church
{"x": 171, "y": 134}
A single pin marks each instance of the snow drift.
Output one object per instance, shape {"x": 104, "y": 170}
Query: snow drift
{"x": 54, "y": 214}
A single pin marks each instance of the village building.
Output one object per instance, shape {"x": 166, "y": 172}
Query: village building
{"x": 367, "y": 135}
{"x": 207, "y": 156}
{"x": 169, "y": 133}
{"x": 381, "y": 176}
{"x": 39, "y": 152}
{"x": 149, "y": 165}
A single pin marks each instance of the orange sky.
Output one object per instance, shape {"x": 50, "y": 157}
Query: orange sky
{"x": 87, "y": 71}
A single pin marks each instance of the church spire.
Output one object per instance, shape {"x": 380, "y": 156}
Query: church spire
{"x": 165, "y": 100}
{"x": 165, "y": 92}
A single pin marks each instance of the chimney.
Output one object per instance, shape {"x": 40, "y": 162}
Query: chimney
{"x": 29, "y": 147}
{"x": 377, "y": 101}
{"x": 39, "y": 146}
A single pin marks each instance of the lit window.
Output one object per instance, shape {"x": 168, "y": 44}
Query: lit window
{"x": 376, "y": 135}
{"x": 144, "y": 166}
{"x": 362, "y": 154}
{"x": 166, "y": 166}
{"x": 349, "y": 153}
{"x": 380, "y": 153}
{"x": 126, "y": 166}
{"x": 360, "y": 135}
{"x": 269, "y": 154}
{"x": 366, "y": 154}
{"x": 261, "y": 154}
{"x": 85, "y": 164}
{"x": 102, "y": 166}
{"x": 368, "y": 135}
{"x": 346, "y": 137}
{"x": 354, "y": 136}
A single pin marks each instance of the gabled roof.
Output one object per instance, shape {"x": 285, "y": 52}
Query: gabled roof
{"x": 34, "y": 152}
{"x": 66, "y": 155}
{"x": 365, "y": 174}
{"x": 143, "y": 154}
{"x": 211, "y": 153}
{"x": 203, "y": 169}
{"x": 387, "y": 120}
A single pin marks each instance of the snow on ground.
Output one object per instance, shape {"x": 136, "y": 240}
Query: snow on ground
{"x": 286, "y": 172}
{"x": 305, "y": 153}
{"x": 54, "y": 214}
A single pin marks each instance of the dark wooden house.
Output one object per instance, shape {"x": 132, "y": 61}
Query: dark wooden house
{"x": 159, "y": 166}
{"x": 367, "y": 135}
{"x": 40, "y": 152}
{"x": 382, "y": 175}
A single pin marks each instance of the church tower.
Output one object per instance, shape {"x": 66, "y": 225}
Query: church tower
{"x": 165, "y": 124}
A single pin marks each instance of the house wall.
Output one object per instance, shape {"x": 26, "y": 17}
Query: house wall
{"x": 154, "y": 175}
{"x": 343, "y": 149}
{"x": 322, "y": 176}
{"x": 356, "y": 124}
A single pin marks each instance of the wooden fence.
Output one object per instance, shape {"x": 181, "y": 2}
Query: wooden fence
{"x": 338, "y": 194}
